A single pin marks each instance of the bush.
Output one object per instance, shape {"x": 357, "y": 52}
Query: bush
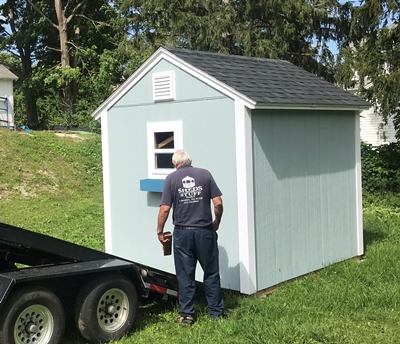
{"x": 380, "y": 167}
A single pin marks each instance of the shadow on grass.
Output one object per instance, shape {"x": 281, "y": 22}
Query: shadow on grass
{"x": 155, "y": 310}
{"x": 371, "y": 236}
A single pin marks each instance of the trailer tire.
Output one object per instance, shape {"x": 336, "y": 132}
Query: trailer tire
{"x": 32, "y": 315}
{"x": 106, "y": 308}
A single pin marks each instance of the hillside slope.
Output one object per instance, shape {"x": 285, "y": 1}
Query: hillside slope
{"x": 52, "y": 183}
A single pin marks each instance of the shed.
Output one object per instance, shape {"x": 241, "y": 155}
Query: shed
{"x": 6, "y": 97}
{"x": 282, "y": 144}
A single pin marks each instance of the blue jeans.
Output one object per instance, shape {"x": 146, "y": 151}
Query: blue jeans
{"x": 190, "y": 246}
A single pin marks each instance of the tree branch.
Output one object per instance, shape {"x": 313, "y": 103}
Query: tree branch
{"x": 74, "y": 45}
{"x": 54, "y": 49}
{"x": 13, "y": 53}
{"x": 92, "y": 21}
{"x": 42, "y": 14}
{"x": 77, "y": 7}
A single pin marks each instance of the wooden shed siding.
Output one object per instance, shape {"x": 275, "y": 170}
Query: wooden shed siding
{"x": 209, "y": 137}
{"x": 374, "y": 131}
{"x": 305, "y": 192}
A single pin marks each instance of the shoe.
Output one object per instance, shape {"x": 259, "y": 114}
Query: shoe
{"x": 223, "y": 315}
{"x": 186, "y": 321}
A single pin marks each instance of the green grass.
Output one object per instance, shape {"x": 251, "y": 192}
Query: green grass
{"x": 53, "y": 185}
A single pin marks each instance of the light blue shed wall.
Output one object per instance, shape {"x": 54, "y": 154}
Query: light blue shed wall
{"x": 209, "y": 137}
{"x": 305, "y": 191}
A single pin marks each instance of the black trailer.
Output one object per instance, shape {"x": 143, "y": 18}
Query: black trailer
{"x": 43, "y": 278}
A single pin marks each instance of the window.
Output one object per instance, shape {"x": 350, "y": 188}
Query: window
{"x": 163, "y": 140}
{"x": 163, "y": 86}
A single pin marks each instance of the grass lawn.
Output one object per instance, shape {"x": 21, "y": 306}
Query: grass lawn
{"x": 52, "y": 184}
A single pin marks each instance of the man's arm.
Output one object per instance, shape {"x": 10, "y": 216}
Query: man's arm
{"x": 162, "y": 218}
{"x": 218, "y": 210}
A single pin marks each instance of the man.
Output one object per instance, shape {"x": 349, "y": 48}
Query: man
{"x": 189, "y": 191}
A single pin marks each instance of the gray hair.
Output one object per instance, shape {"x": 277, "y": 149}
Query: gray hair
{"x": 181, "y": 157}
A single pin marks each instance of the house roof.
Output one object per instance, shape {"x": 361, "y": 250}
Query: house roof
{"x": 6, "y": 74}
{"x": 268, "y": 80}
{"x": 256, "y": 82}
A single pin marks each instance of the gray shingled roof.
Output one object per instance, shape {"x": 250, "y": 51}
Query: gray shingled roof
{"x": 6, "y": 74}
{"x": 267, "y": 80}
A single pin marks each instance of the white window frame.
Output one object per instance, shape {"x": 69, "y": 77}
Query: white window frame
{"x": 167, "y": 84}
{"x": 159, "y": 127}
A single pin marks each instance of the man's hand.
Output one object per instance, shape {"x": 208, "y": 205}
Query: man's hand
{"x": 162, "y": 239}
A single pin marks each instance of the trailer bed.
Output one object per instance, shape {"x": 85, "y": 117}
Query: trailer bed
{"x": 36, "y": 264}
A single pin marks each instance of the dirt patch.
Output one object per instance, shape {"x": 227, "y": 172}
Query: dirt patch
{"x": 73, "y": 136}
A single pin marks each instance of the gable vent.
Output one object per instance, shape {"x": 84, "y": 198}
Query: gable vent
{"x": 163, "y": 86}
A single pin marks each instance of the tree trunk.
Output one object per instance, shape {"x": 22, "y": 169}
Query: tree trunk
{"x": 68, "y": 102}
{"x": 62, "y": 31}
{"x": 31, "y": 110}
{"x": 26, "y": 61}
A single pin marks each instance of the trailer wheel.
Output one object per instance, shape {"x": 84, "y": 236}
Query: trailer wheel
{"x": 32, "y": 315}
{"x": 106, "y": 308}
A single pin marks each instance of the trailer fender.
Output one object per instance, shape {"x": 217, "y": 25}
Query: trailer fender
{"x": 6, "y": 285}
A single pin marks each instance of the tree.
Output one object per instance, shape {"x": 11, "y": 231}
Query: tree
{"x": 18, "y": 36}
{"x": 371, "y": 62}
{"x": 70, "y": 73}
{"x": 297, "y": 31}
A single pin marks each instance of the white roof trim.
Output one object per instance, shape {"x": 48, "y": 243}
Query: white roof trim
{"x": 311, "y": 107}
{"x": 160, "y": 54}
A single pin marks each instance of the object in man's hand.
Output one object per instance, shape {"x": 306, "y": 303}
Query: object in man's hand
{"x": 167, "y": 246}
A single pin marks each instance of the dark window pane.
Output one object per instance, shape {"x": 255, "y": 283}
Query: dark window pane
{"x": 164, "y": 140}
{"x": 164, "y": 161}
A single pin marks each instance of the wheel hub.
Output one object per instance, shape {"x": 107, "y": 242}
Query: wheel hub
{"x": 31, "y": 327}
{"x": 34, "y": 325}
{"x": 113, "y": 310}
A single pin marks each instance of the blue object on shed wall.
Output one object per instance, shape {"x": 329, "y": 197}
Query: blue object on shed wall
{"x": 152, "y": 185}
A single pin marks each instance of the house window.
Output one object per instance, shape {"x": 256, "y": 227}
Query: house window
{"x": 163, "y": 140}
{"x": 163, "y": 86}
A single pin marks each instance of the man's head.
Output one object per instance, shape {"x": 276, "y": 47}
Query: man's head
{"x": 180, "y": 158}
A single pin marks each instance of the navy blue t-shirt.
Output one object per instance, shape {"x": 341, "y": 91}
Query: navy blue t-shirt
{"x": 189, "y": 191}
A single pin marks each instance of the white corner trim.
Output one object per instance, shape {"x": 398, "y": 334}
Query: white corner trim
{"x": 106, "y": 183}
{"x": 160, "y": 54}
{"x": 245, "y": 199}
{"x": 360, "y": 238}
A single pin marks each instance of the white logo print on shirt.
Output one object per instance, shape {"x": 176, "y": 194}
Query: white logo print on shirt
{"x": 190, "y": 193}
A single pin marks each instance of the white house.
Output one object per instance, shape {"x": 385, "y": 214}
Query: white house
{"x": 6, "y": 97}
{"x": 373, "y": 130}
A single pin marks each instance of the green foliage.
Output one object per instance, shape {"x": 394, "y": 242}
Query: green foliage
{"x": 374, "y": 54}
{"x": 380, "y": 167}
{"x": 50, "y": 94}
{"x": 296, "y": 31}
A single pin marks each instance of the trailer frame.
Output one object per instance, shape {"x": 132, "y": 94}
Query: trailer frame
{"x": 33, "y": 260}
